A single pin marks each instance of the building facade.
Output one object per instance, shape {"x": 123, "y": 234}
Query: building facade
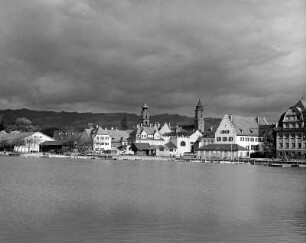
{"x": 241, "y": 131}
{"x": 101, "y": 142}
{"x": 291, "y": 132}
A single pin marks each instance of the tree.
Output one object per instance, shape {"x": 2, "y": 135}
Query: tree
{"x": 269, "y": 143}
{"x": 2, "y": 126}
{"x": 25, "y": 125}
{"x": 124, "y": 123}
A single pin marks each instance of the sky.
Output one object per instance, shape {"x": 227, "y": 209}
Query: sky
{"x": 244, "y": 57}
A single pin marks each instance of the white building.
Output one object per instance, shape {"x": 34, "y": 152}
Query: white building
{"x": 243, "y": 131}
{"x": 184, "y": 141}
{"x": 25, "y": 142}
{"x": 101, "y": 142}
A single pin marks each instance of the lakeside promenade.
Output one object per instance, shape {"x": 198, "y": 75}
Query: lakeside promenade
{"x": 251, "y": 161}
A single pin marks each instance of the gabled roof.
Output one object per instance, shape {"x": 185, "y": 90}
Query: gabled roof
{"x": 142, "y": 146}
{"x": 115, "y": 134}
{"x": 10, "y": 137}
{"x": 148, "y": 130}
{"x": 222, "y": 147}
{"x": 247, "y": 126}
{"x": 13, "y": 137}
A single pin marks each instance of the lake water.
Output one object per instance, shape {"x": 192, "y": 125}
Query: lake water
{"x": 67, "y": 200}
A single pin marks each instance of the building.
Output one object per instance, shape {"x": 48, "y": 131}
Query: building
{"x": 237, "y": 132}
{"x": 291, "y": 132}
{"x": 101, "y": 142}
{"x": 147, "y": 132}
{"x": 184, "y": 141}
{"x": 25, "y": 142}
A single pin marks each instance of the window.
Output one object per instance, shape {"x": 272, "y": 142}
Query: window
{"x": 224, "y": 138}
{"x": 183, "y": 143}
{"x": 252, "y": 139}
{"x": 256, "y": 139}
{"x": 293, "y": 145}
{"x": 248, "y": 147}
{"x": 280, "y": 145}
{"x": 218, "y": 139}
{"x": 246, "y": 139}
{"x": 299, "y": 145}
{"x": 287, "y": 145}
{"x": 242, "y": 139}
{"x": 230, "y": 139}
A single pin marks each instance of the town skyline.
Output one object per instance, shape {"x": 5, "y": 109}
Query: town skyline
{"x": 239, "y": 57}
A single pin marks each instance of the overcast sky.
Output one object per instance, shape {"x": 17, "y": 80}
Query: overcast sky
{"x": 244, "y": 57}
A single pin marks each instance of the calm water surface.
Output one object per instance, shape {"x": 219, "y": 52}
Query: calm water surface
{"x": 46, "y": 200}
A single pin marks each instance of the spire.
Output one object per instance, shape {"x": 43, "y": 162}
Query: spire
{"x": 199, "y": 103}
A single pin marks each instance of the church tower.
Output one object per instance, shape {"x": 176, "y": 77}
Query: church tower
{"x": 145, "y": 117}
{"x": 199, "y": 119}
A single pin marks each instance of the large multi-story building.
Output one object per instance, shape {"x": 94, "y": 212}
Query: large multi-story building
{"x": 291, "y": 132}
{"x": 236, "y": 136}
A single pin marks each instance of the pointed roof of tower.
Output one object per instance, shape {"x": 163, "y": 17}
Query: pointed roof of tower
{"x": 199, "y": 103}
{"x": 145, "y": 105}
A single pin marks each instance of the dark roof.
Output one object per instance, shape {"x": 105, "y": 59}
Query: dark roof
{"x": 52, "y": 143}
{"x": 222, "y": 147}
{"x": 210, "y": 125}
{"x": 180, "y": 134}
{"x": 170, "y": 145}
{"x": 142, "y": 146}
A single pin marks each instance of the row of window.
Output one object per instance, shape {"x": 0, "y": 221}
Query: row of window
{"x": 251, "y": 139}
{"x": 292, "y": 125}
{"x": 292, "y": 135}
{"x": 102, "y": 143}
{"x": 292, "y": 117}
{"x": 102, "y": 138}
{"x": 253, "y": 147}
{"x": 291, "y": 154}
{"x": 224, "y": 139}
{"x": 293, "y": 145}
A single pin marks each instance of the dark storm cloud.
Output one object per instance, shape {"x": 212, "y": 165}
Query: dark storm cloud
{"x": 245, "y": 57}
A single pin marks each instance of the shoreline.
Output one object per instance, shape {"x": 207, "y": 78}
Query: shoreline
{"x": 263, "y": 162}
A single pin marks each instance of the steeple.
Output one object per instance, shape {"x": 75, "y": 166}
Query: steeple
{"x": 199, "y": 119}
{"x": 199, "y": 104}
{"x": 145, "y": 116}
